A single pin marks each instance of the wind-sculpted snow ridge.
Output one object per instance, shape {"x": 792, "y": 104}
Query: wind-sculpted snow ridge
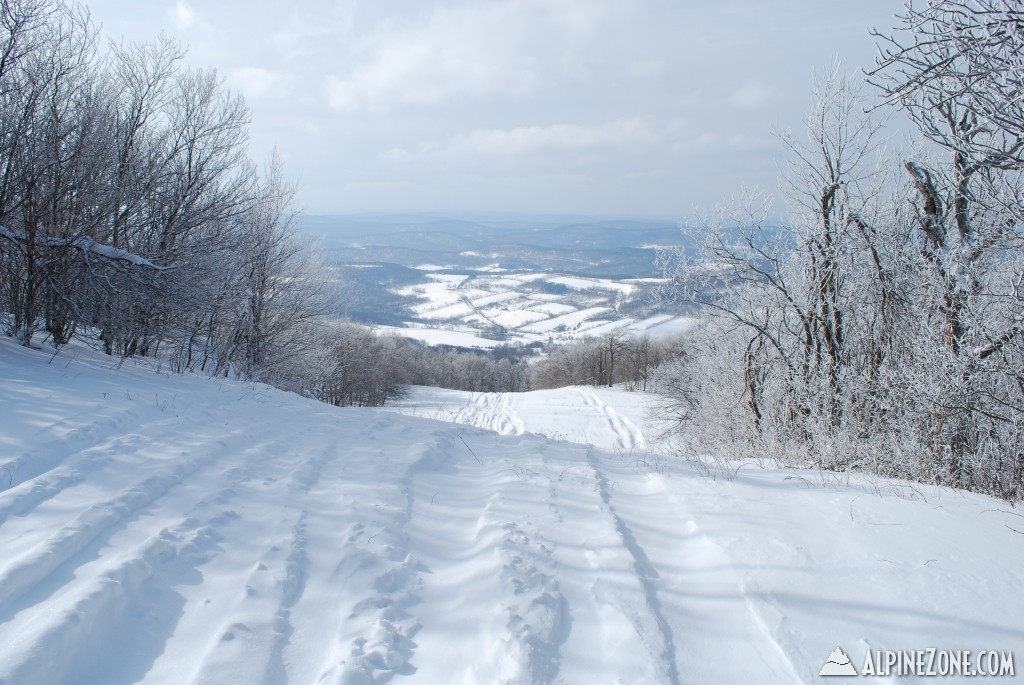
{"x": 189, "y": 530}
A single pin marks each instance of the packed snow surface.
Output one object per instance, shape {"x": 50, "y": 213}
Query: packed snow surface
{"x": 186, "y": 530}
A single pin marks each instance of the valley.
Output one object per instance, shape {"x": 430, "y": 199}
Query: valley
{"x": 481, "y": 281}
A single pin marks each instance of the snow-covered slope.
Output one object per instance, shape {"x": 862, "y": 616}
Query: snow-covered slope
{"x": 609, "y": 418}
{"x": 186, "y": 530}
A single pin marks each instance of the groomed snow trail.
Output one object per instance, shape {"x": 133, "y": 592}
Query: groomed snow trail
{"x": 491, "y": 411}
{"x": 627, "y": 435}
{"x": 186, "y": 530}
{"x": 576, "y": 414}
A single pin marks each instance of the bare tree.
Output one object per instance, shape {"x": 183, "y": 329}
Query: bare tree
{"x": 130, "y": 211}
{"x": 53, "y": 146}
{"x": 281, "y": 288}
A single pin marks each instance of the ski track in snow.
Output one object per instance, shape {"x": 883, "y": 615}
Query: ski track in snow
{"x": 490, "y": 411}
{"x": 476, "y": 545}
{"x": 588, "y": 418}
{"x": 252, "y": 537}
{"x": 627, "y": 435}
{"x": 644, "y": 611}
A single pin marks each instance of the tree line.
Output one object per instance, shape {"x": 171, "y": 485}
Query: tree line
{"x": 616, "y": 358}
{"x": 880, "y": 328}
{"x": 131, "y": 213}
{"x": 369, "y": 369}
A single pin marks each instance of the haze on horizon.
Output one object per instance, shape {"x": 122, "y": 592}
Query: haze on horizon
{"x": 652, "y": 107}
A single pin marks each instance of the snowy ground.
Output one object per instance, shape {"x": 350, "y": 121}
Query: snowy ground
{"x": 185, "y": 530}
{"x": 608, "y": 418}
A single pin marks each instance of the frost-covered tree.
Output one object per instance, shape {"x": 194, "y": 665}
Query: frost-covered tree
{"x": 367, "y": 370}
{"x": 960, "y": 78}
{"x": 961, "y": 58}
{"x": 880, "y": 326}
{"x": 807, "y": 296}
{"x": 52, "y": 143}
{"x": 131, "y": 214}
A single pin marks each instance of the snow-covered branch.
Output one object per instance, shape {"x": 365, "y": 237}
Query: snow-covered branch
{"x": 84, "y": 244}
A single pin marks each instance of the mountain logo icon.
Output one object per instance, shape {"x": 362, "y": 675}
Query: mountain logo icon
{"x": 838, "y": 664}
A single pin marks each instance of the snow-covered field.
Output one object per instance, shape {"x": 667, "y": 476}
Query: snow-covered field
{"x": 187, "y": 530}
{"x": 522, "y": 304}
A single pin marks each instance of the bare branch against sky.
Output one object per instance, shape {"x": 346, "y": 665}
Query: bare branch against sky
{"x": 653, "y": 107}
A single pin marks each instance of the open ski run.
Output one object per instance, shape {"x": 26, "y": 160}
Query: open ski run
{"x": 184, "y": 530}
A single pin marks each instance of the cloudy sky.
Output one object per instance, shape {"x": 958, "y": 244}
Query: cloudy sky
{"x": 636, "y": 107}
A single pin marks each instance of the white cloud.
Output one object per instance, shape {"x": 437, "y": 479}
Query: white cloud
{"x": 527, "y": 140}
{"x": 695, "y": 143}
{"x": 313, "y": 28}
{"x": 752, "y": 95}
{"x": 643, "y": 68}
{"x": 748, "y": 143}
{"x": 504, "y": 48}
{"x": 253, "y": 82}
{"x": 438, "y": 93}
{"x": 184, "y": 15}
{"x": 396, "y": 154}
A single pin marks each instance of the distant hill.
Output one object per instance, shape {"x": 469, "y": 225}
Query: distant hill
{"x": 390, "y": 264}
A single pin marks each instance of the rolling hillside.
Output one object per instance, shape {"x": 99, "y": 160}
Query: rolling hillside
{"x": 479, "y": 280}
